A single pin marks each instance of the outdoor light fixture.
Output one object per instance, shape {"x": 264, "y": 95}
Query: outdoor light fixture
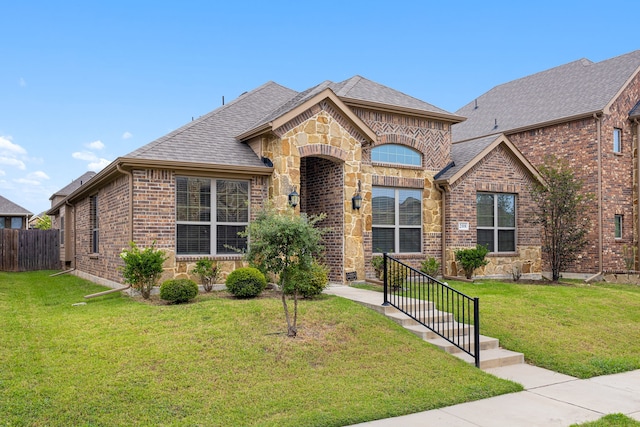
{"x": 356, "y": 200}
{"x": 294, "y": 198}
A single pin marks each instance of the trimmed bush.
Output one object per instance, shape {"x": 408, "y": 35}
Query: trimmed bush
{"x": 246, "y": 282}
{"x": 430, "y": 266}
{"x": 177, "y": 291}
{"x": 309, "y": 283}
{"x": 470, "y": 259}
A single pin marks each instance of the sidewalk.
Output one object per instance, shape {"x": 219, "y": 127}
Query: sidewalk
{"x": 549, "y": 399}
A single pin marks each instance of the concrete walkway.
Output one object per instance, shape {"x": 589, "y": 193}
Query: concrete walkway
{"x": 549, "y": 399}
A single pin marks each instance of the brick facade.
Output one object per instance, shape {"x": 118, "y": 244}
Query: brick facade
{"x": 498, "y": 172}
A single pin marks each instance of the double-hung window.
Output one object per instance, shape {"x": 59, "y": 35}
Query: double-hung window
{"x": 496, "y": 215}
{"x": 210, "y": 213}
{"x": 397, "y": 220}
{"x": 617, "y": 140}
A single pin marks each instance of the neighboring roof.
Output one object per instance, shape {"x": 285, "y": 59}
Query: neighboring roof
{"x": 7, "y": 207}
{"x": 75, "y": 184}
{"x": 635, "y": 111}
{"x": 212, "y": 137}
{"x": 577, "y": 89}
{"x": 467, "y": 154}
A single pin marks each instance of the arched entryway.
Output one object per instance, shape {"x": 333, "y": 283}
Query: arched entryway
{"x": 322, "y": 191}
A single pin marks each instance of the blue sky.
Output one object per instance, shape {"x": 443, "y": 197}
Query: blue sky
{"x": 82, "y": 83}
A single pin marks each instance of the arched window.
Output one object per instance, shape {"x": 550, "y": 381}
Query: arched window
{"x": 396, "y": 154}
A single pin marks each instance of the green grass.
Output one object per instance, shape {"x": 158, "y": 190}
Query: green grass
{"x": 612, "y": 420}
{"x": 573, "y": 328}
{"x": 217, "y": 361}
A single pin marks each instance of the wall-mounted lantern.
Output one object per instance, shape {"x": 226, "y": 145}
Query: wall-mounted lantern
{"x": 294, "y": 198}
{"x": 356, "y": 200}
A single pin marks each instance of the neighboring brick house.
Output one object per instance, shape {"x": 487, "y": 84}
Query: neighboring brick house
{"x": 63, "y": 222}
{"x": 13, "y": 215}
{"x": 192, "y": 190}
{"x": 586, "y": 113}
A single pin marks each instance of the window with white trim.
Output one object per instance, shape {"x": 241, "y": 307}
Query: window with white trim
{"x": 617, "y": 140}
{"x": 396, "y": 154}
{"x": 397, "y": 220}
{"x": 210, "y": 213}
{"x": 496, "y": 226}
{"x": 618, "y": 226}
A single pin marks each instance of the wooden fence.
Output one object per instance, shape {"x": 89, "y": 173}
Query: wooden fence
{"x": 29, "y": 250}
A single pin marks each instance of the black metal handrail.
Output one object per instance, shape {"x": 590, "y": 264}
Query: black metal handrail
{"x": 447, "y": 312}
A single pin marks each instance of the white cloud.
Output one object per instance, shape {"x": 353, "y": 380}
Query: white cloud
{"x": 38, "y": 175}
{"x": 127, "y": 135}
{"x": 22, "y": 82}
{"x": 2, "y": 173}
{"x": 27, "y": 181}
{"x": 8, "y": 147}
{"x": 84, "y": 155}
{"x": 95, "y": 145}
{"x": 98, "y": 165}
{"x": 12, "y": 161}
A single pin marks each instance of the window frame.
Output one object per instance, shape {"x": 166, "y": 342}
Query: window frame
{"x": 496, "y": 227}
{"x": 397, "y": 226}
{"x": 618, "y": 221}
{"x": 397, "y": 156}
{"x": 617, "y": 140}
{"x": 94, "y": 226}
{"x": 213, "y": 223}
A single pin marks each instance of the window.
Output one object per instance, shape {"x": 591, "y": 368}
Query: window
{"x": 496, "y": 215}
{"x": 397, "y": 154}
{"x": 210, "y": 213}
{"x": 16, "y": 222}
{"x": 397, "y": 220}
{"x": 93, "y": 223}
{"x": 618, "y": 226}
{"x": 617, "y": 140}
{"x": 62, "y": 230}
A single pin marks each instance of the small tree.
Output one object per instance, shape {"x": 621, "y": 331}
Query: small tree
{"x": 142, "y": 268}
{"x": 561, "y": 214}
{"x": 283, "y": 244}
{"x": 472, "y": 258}
{"x": 208, "y": 272}
{"x": 43, "y": 223}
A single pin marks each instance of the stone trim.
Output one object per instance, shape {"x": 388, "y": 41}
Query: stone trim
{"x": 397, "y": 181}
{"x": 493, "y": 187}
{"x": 323, "y": 150}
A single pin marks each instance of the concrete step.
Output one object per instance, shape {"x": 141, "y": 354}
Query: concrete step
{"x": 486, "y": 343}
{"x": 406, "y": 320}
{"x": 494, "y": 358}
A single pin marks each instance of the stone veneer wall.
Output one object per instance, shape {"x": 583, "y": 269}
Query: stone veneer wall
{"x": 498, "y": 172}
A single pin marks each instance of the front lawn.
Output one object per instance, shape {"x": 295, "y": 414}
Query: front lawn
{"x": 217, "y": 361}
{"x": 578, "y": 329}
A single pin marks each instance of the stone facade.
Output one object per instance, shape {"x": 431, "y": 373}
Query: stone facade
{"x": 498, "y": 172}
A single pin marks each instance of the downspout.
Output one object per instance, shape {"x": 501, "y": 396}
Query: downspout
{"x": 637, "y": 183}
{"x": 73, "y": 219}
{"x": 125, "y": 172}
{"x": 599, "y": 143}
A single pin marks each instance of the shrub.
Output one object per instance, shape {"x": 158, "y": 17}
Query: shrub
{"x": 208, "y": 273}
{"x": 246, "y": 282}
{"x": 472, "y": 258}
{"x": 430, "y": 266}
{"x": 309, "y": 283}
{"x": 142, "y": 268}
{"x": 177, "y": 291}
{"x": 377, "y": 262}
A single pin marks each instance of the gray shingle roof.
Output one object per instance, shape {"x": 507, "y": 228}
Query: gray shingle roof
{"x": 7, "y": 207}
{"x": 211, "y": 138}
{"x": 464, "y": 152}
{"x": 75, "y": 184}
{"x": 578, "y": 88}
{"x": 359, "y": 88}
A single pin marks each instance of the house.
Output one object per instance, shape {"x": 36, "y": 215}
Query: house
{"x": 62, "y": 222}
{"x": 13, "y": 215}
{"x": 587, "y": 113}
{"x": 362, "y": 153}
